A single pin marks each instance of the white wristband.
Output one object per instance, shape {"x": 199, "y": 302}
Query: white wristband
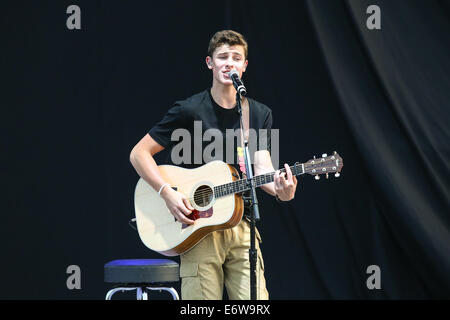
{"x": 162, "y": 187}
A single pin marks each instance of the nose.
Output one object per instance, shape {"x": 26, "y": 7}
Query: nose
{"x": 230, "y": 64}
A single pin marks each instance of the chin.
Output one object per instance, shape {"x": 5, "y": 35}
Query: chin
{"x": 228, "y": 82}
{"x": 225, "y": 82}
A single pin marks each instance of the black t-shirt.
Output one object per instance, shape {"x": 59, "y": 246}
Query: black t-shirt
{"x": 197, "y": 130}
{"x": 190, "y": 130}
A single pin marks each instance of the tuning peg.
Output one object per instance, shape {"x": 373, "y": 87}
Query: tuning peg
{"x": 326, "y": 175}
{"x": 337, "y": 174}
{"x": 324, "y": 155}
{"x": 317, "y": 177}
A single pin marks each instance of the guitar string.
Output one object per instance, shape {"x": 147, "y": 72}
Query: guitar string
{"x": 235, "y": 185}
{"x": 232, "y": 185}
{"x": 226, "y": 188}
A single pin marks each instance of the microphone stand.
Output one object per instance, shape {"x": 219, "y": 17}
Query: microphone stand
{"x": 254, "y": 208}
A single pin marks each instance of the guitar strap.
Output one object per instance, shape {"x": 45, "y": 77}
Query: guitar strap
{"x": 246, "y": 120}
{"x": 244, "y": 133}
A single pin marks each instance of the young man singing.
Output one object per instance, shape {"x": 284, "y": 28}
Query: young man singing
{"x": 222, "y": 257}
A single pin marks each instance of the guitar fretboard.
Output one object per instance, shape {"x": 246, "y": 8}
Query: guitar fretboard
{"x": 245, "y": 184}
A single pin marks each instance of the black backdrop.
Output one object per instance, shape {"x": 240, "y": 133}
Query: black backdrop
{"x": 74, "y": 103}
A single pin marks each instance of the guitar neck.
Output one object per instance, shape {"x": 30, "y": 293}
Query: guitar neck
{"x": 245, "y": 184}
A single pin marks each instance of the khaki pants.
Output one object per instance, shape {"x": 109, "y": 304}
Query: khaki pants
{"x": 221, "y": 258}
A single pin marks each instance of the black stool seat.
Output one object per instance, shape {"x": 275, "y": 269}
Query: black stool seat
{"x": 142, "y": 271}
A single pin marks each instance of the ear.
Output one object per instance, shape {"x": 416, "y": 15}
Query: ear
{"x": 245, "y": 66}
{"x": 209, "y": 62}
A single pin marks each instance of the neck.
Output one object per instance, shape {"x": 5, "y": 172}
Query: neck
{"x": 244, "y": 184}
{"x": 224, "y": 96}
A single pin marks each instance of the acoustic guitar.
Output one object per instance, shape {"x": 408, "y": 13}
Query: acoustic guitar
{"x": 215, "y": 191}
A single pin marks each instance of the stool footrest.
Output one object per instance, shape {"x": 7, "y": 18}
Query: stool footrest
{"x": 141, "y": 292}
{"x": 142, "y": 275}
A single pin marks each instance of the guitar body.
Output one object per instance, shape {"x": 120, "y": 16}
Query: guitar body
{"x": 214, "y": 191}
{"x": 157, "y": 227}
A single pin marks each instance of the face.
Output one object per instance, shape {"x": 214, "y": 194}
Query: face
{"x": 224, "y": 59}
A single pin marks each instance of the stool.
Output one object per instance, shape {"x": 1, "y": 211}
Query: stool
{"x": 142, "y": 275}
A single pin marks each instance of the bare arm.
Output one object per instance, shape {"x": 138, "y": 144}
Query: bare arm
{"x": 141, "y": 157}
{"x": 263, "y": 164}
{"x": 283, "y": 185}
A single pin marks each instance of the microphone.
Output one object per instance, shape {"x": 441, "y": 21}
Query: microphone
{"x": 237, "y": 82}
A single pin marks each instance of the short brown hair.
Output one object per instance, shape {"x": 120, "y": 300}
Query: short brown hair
{"x": 229, "y": 37}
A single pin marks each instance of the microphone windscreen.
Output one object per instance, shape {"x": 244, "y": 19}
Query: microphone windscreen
{"x": 234, "y": 71}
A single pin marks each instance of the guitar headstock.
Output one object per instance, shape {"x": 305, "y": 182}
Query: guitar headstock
{"x": 324, "y": 165}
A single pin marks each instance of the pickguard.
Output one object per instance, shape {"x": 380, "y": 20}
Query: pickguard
{"x": 198, "y": 215}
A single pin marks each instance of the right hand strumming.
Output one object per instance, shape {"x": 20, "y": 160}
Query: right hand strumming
{"x": 178, "y": 205}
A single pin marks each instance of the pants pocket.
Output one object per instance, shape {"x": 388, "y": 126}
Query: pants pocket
{"x": 263, "y": 294}
{"x": 258, "y": 236}
{"x": 190, "y": 281}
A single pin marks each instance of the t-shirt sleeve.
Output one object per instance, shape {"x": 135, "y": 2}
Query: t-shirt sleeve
{"x": 175, "y": 118}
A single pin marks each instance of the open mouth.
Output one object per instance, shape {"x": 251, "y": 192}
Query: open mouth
{"x": 225, "y": 74}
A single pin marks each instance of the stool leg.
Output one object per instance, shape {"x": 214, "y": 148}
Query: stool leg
{"x": 141, "y": 293}
{"x": 172, "y": 291}
{"x": 112, "y": 291}
{"x": 144, "y": 294}
{"x": 138, "y": 293}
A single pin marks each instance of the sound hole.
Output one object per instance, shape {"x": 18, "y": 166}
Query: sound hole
{"x": 203, "y": 196}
